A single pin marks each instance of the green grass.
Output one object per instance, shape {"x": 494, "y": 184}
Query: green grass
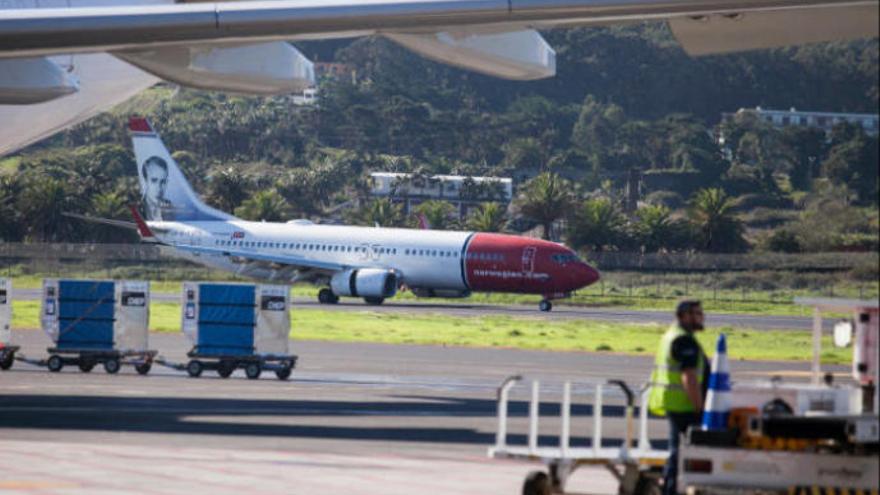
{"x": 498, "y": 331}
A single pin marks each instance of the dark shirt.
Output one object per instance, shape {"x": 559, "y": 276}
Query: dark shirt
{"x": 688, "y": 352}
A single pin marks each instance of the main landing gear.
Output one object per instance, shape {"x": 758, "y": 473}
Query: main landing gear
{"x": 326, "y": 296}
{"x": 545, "y": 305}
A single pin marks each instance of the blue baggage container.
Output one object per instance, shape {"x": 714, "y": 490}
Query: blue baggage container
{"x": 86, "y": 309}
{"x": 85, "y": 290}
{"x": 221, "y": 339}
{"x": 229, "y": 315}
{"x": 226, "y": 294}
{"x": 85, "y": 334}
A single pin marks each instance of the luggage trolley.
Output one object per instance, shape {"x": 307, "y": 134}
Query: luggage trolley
{"x": 237, "y": 326}
{"x": 97, "y": 322}
{"x": 636, "y": 468}
{"x": 7, "y": 350}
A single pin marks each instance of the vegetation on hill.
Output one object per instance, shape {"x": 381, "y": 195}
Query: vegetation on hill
{"x": 628, "y": 110}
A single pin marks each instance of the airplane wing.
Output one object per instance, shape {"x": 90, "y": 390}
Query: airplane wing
{"x": 280, "y": 259}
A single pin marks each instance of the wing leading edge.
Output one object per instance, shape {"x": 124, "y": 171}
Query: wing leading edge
{"x": 41, "y": 32}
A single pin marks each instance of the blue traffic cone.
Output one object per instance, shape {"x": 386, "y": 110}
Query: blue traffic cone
{"x": 717, "y": 407}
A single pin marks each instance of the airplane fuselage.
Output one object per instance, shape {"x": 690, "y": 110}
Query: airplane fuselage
{"x": 447, "y": 262}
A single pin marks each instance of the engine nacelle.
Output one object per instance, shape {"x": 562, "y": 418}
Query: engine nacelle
{"x": 445, "y": 293}
{"x": 518, "y": 55}
{"x": 364, "y": 282}
{"x": 25, "y": 81}
{"x": 264, "y": 68}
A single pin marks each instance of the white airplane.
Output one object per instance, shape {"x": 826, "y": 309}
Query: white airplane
{"x": 368, "y": 262}
{"x": 62, "y": 61}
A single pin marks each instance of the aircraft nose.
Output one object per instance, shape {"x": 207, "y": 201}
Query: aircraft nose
{"x": 587, "y": 275}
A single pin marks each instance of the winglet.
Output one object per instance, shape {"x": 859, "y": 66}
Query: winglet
{"x": 139, "y": 124}
{"x": 142, "y": 227}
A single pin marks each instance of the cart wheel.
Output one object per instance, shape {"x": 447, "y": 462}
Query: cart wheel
{"x": 253, "y": 370}
{"x": 6, "y": 360}
{"x": 545, "y": 305}
{"x": 55, "y": 363}
{"x": 111, "y": 366}
{"x": 86, "y": 365}
{"x": 143, "y": 368}
{"x": 225, "y": 369}
{"x": 647, "y": 485}
{"x": 194, "y": 368}
{"x": 537, "y": 483}
{"x": 283, "y": 373}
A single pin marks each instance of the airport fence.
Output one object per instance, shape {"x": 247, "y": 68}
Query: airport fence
{"x": 770, "y": 278}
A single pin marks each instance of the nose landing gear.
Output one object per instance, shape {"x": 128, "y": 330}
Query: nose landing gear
{"x": 326, "y": 296}
{"x": 545, "y": 305}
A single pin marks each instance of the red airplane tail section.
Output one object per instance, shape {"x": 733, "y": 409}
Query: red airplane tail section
{"x": 144, "y": 231}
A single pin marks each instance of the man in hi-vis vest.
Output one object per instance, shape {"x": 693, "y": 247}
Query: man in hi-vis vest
{"x": 678, "y": 382}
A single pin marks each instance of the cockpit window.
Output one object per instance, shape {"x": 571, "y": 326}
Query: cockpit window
{"x": 565, "y": 258}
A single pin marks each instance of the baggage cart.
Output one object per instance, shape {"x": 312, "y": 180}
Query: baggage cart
{"x": 636, "y": 467}
{"x": 7, "y": 350}
{"x": 237, "y": 326}
{"x": 96, "y": 322}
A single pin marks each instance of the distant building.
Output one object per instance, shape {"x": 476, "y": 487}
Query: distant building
{"x": 462, "y": 191}
{"x": 820, "y": 120}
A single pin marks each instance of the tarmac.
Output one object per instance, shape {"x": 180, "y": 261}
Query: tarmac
{"x": 355, "y": 418}
{"x": 466, "y": 309}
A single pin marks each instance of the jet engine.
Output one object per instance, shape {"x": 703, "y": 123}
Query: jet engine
{"x": 517, "y": 55}
{"x": 365, "y": 282}
{"x": 264, "y": 68}
{"x": 26, "y": 81}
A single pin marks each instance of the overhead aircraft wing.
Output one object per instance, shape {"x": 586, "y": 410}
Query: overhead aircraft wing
{"x": 703, "y": 26}
{"x": 295, "y": 262}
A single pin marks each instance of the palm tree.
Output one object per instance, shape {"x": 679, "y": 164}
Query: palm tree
{"x": 596, "y": 223}
{"x": 380, "y": 211}
{"x": 111, "y": 205}
{"x": 43, "y": 202}
{"x": 654, "y": 227}
{"x": 545, "y": 199}
{"x": 227, "y": 189}
{"x": 711, "y": 212}
{"x": 264, "y": 206}
{"x": 441, "y": 215}
{"x": 488, "y": 217}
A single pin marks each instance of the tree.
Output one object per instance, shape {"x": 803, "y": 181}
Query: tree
{"x": 380, "y": 211}
{"x": 597, "y": 224}
{"x": 227, "y": 189}
{"x": 654, "y": 227}
{"x": 441, "y": 215}
{"x": 807, "y": 145}
{"x": 11, "y": 226}
{"x": 42, "y": 203}
{"x": 854, "y": 163}
{"x": 112, "y": 205}
{"x": 711, "y": 213}
{"x": 488, "y": 217}
{"x": 545, "y": 199}
{"x": 264, "y": 206}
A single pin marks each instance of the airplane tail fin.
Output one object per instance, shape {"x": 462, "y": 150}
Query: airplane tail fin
{"x": 166, "y": 195}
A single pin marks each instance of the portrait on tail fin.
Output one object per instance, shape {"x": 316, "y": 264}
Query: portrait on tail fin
{"x": 154, "y": 173}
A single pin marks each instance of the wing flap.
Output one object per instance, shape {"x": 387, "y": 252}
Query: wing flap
{"x": 266, "y": 257}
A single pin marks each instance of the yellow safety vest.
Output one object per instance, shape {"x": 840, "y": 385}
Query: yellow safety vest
{"x": 667, "y": 392}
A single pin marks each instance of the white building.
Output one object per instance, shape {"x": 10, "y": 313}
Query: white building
{"x": 821, "y": 120}
{"x": 462, "y": 191}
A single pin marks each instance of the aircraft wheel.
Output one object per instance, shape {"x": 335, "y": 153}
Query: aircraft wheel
{"x": 194, "y": 368}
{"x": 326, "y": 296}
{"x": 112, "y": 366}
{"x": 545, "y": 305}
{"x": 374, "y": 301}
{"x": 55, "y": 363}
{"x": 143, "y": 368}
{"x": 253, "y": 370}
{"x": 537, "y": 483}
{"x": 6, "y": 360}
